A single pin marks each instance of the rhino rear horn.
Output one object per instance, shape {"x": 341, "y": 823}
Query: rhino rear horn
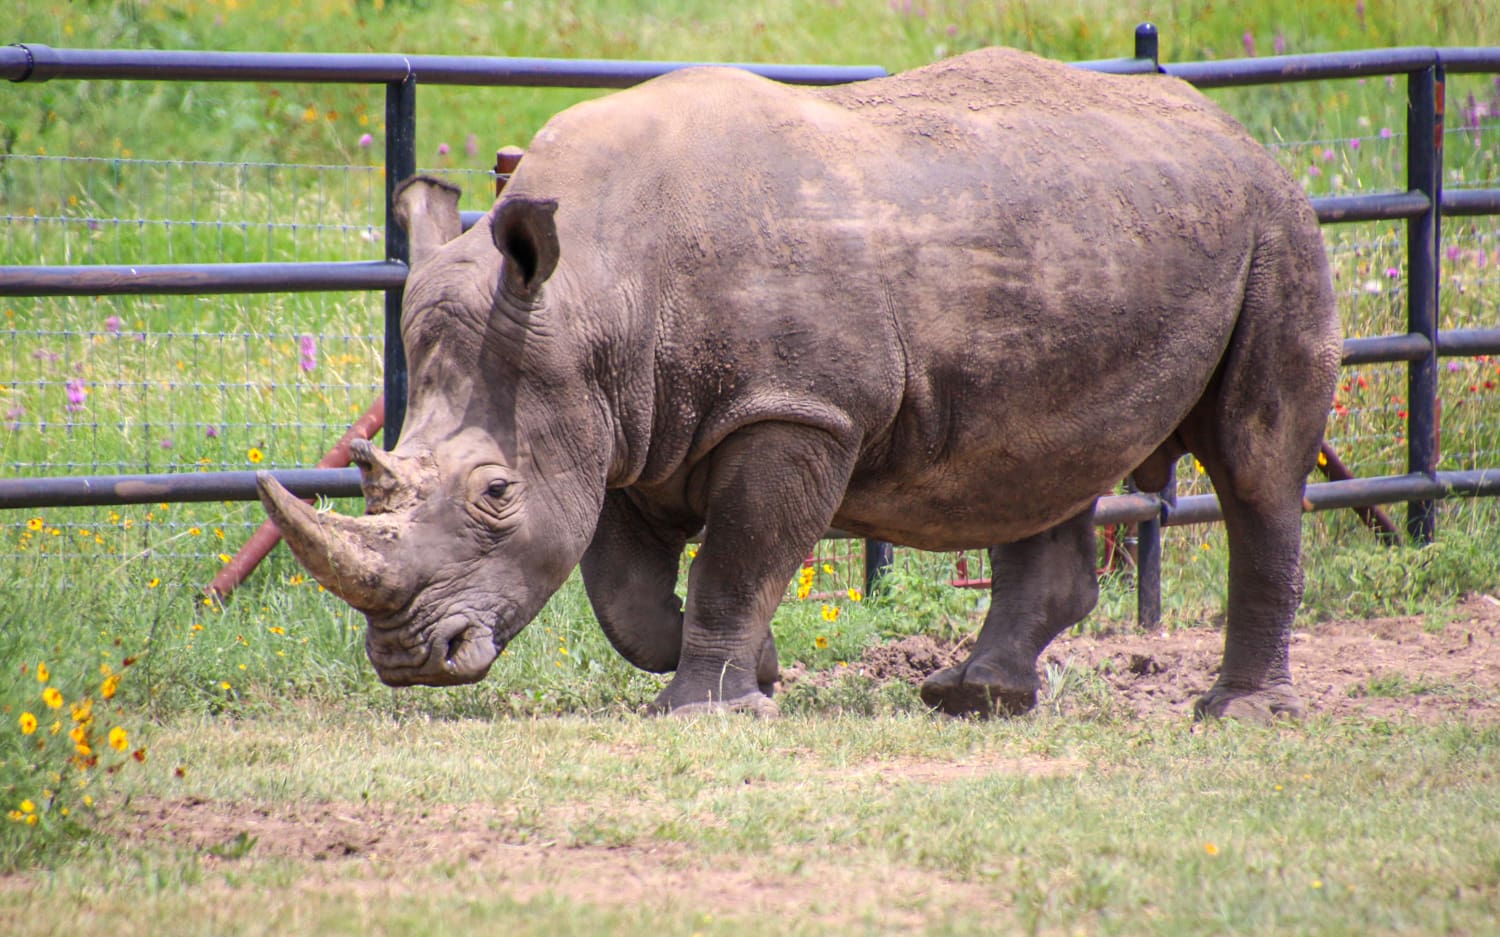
{"x": 427, "y": 210}
{"x": 525, "y": 233}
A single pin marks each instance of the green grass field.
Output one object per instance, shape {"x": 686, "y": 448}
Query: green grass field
{"x": 1084, "y": 825}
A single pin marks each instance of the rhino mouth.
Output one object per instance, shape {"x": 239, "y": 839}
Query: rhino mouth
{"x": 454, "y": 652}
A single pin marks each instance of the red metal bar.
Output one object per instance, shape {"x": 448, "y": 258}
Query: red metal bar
{"x": 265, "y": 538}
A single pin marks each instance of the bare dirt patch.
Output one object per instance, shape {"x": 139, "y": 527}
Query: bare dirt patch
{"x": 1382, "y": 668}
{"x": 372, "y": 851}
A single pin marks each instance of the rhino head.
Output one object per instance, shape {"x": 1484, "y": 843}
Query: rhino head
{"x": 490, "y": 498}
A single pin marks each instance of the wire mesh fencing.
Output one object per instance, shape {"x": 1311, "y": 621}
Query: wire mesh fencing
{"x": 128, "y": 384}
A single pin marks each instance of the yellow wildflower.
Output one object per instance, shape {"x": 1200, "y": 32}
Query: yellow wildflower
{"x": 28, "y": 723}
{"x": 35, "y": 524}
{"x": 820, "y": 642}
{"x": 1211, "y": 849}
{"x": 856, "y": 596}
{"x": 52, "y": 698}
{"x": 83, "y": 712}
{"x": 828, "y": 568}
{"x": 109, "y": 686}
{"x": 194, "y": 531}
{"x": 78, "y": 734}
{"x": 118, "y": 739}
{"x": 153, "y": 583}
{"x": 831, "y": 612}
{"x": 255, "y": 455}
{"x": 42, "y": 673}
{"x": 28, "y": 807}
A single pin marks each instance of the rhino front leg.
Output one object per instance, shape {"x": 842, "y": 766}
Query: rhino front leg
{"x": 768, "y": 492}
{"x": 630, "y": 575}
{"x": 1041, "y": 586}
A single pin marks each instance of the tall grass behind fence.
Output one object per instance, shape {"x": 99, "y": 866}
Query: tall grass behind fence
{"x": 146, "y": 384}
{"x": 150, "y": 384}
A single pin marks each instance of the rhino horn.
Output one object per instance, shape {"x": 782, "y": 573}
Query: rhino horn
{"x": 391, "y": 482}
{"x": 348, "y": 555}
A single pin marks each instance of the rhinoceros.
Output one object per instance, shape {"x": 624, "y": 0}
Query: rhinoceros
{"x": 949, "y": 309}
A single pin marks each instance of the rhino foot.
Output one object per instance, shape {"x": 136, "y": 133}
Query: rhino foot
{"x": 977, "y": 689}
{"x": 756, "y": 704}
{"x": 1260, "y": 707}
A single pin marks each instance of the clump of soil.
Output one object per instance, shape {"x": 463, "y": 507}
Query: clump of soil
{"x": 1384, "y": 667}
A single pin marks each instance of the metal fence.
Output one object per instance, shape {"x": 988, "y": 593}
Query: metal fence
{"x": 320, "y": 349}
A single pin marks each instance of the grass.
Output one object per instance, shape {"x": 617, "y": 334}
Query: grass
{"x": 266, "y": 703}
{"x": 1040, "y": 826}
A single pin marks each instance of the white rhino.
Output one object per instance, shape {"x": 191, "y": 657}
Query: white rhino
{"x": 949, "y": 309}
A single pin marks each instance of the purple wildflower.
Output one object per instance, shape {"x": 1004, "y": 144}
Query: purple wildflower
{"x": 166, "y": 442}
{"x": 442, "y": 149}
{"x": 1354, "y": 144}
{"x": 1454, "y": 252}
{"x": 471, "y": 144}
{"x": 1314, "y": 171}
{"x": 1385, "y": 133}
{"x": 1249, "y": 40}
{"x": 13, "y": 416}
{"x": 366, "y": 141}
{"x": 77, "y": 394}
{"x": 1279, "y": 44}
{"x": 308, "y": 348}
{"x": 1328, "y": 156}
{"x": 1392, "y": 272}
{"x": 112, "y": 325}
{"x": 1454, "y": 366}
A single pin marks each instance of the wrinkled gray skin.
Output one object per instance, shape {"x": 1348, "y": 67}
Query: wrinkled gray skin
{"x": 948, "y": 309}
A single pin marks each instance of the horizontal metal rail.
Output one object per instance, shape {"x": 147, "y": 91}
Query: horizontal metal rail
{"x": 178, "y": 279}
{"x": 24, "y": 493}
{"x": 88, "y": 491}
{"x": 1282, "y": 69}
{"x": 32, "y": 62}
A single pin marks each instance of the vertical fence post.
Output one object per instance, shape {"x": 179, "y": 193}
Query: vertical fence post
{"x": 1148, "y": 557}
{"x": 1148, "y": 533}
{"x": 1147, "y": 45}
{"x": 400, "y": 162}
{"x": 1424, "y": 173}
{"x": 879, "y": 556}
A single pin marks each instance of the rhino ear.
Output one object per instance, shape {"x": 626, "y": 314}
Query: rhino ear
{"x": 427, "y": 209}
{"x": 525, "y": 233}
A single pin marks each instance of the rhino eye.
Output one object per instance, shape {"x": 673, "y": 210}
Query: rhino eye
{"x": 496, "y": 488}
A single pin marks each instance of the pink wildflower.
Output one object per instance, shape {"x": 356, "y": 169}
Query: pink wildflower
{"x": 77, "y": 394}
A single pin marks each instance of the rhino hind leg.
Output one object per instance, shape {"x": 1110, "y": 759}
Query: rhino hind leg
{"x": 1257, "y": 432}
{"x": 1041, "y": 586}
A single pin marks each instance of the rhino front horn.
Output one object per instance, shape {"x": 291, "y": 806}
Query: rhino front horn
{"x": 348, "y": 555}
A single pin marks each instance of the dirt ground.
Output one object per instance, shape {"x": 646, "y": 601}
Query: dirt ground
{"x": 1381, "y": 667}
{"x": 1401, "y": 668}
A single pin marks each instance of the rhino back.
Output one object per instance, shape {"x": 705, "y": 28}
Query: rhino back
{"x": 994, "y": 267}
